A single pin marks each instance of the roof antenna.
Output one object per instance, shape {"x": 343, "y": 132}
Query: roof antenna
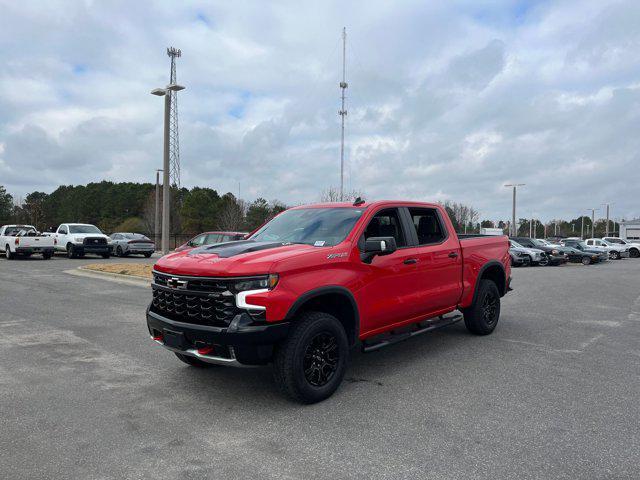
{"x": 358, "y": 201}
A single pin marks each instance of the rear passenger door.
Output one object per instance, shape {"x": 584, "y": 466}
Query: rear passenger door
{"x": 438, "y": 261}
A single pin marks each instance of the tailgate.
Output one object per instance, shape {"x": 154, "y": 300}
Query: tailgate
{"x": 35, "y": 241}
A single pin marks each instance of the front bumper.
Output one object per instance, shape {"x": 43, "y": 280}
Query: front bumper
{"x": 557, "y": 259}
{"x": 243, "y": 342}
{"x": 97, "y": 249}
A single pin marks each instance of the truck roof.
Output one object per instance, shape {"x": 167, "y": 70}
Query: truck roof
{"x": 406, "y": 203}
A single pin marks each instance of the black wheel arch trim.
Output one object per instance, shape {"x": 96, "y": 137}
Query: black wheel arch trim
{"x": 329, "y": 289}
{"x": 485, "y": 267}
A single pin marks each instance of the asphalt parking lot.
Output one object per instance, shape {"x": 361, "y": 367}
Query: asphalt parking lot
{"x": 553, "y": 393}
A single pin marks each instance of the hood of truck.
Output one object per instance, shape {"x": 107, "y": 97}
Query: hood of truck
{"x": 231, "y": 259}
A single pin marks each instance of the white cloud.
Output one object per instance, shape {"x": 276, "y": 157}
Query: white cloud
{"x": 446, "y": 101}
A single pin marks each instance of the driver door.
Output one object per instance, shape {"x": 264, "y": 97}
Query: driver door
{"x": 388, "y": 295}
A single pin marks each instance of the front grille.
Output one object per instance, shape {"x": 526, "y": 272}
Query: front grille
{"x": 192, "y": 300}
{"x": 94, "y": 241}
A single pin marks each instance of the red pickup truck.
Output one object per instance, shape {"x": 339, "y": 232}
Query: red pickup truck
{"x": 318, "y": 279}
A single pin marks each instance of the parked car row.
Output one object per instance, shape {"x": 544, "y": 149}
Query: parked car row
{"x": 526, "y": 251}
{"x": 79, "y": 239}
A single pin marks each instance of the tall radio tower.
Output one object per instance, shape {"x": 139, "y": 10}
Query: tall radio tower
{"x": 343, "y": 112}
{"x": 174, "y": 137}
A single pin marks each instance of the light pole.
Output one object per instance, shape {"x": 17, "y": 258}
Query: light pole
{"x": 166, "y": 188}
{"x": 514, "y": 226}
{"x": 156, "y": 225}
{"x": 593, "y": 224}
{"x": 607, "y": 226}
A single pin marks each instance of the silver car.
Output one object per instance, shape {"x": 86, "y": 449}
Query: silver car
{"x": 124, "y": 244}
{"x": 536, "y": 257}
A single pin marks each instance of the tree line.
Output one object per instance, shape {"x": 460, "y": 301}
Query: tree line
{"x": 129, "y": 206}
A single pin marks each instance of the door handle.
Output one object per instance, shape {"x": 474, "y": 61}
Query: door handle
{"x": 453, "y": 254}
{"x": 409, "y": 261}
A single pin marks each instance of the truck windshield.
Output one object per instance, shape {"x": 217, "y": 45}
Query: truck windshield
{"x": 83, "y": 229}
{"x": 321, "y": 227}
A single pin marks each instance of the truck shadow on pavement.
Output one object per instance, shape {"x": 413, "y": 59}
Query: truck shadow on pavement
{"x": 384, "y": 368}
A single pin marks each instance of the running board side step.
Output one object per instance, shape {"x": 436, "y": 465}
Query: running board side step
{"x": 441, "y": 321}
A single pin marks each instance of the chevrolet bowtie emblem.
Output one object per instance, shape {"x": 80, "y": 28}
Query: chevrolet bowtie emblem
{"x": 175, "y": 282}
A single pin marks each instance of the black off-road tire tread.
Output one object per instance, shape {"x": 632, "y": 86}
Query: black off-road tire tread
{"x": 473, "y": 315}
{"x": 193, "y": 361}
{"x": 283, "y": 359}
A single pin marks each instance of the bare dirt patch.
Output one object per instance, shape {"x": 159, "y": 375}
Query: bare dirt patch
{"x": 130, "y": 269}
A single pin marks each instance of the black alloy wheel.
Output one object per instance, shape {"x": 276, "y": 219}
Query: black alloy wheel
{"x": 321, "y": 358}
{"x": 490, "y": 309}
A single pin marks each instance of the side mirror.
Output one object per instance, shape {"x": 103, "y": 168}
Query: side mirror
{"x": 378, "y": 246}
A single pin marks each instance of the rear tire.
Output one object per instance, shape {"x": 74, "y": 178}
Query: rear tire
{"x": 193, "y": 361}
{"x": 634, "y": 253}
{"x": 481, "y": 318}
{"x": 8, "y": 253}
{"x": 106, "y": 255}
{"x": 310, "y": 363}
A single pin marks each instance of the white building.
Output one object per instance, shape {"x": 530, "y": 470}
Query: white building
{"x": 630, "y": 230}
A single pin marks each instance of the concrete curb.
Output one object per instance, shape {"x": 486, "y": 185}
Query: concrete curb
{"x": 111, "y": 277}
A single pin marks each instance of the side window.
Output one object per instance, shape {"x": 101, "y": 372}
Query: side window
{"x": 197, "y": 241}
{"x": 226, "y": 238}
{"x": 427, "y": 225}
{"x": 386, "y": 223}
{"x": 212, "y": 238}
{"x": 63, "y": 230}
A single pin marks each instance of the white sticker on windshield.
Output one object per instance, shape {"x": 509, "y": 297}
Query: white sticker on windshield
{"x": 319, "y": 243}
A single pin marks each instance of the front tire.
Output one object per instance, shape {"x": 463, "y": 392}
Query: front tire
{"x": 47, "y": 256}
{"x": 119, "y": 251}
{"x": 586, "y": 260}
{"x": 148, "y": 255}
{"x": 106, "y": 255}
{"x": 544, "y": 261}
{"x": 615, "y": 255}
{"x": 71, "y": 251}
{"x": 310, "y": 363}
{"x": 481, "y": 318}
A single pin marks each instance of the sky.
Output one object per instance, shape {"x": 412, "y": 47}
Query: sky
{"x": 446, "y": 100}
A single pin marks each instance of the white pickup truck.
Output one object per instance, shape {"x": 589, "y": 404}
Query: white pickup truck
{"x": 24, "y": 240}
{"x": 79, "y": 238}
{"x": 615, "y": 251}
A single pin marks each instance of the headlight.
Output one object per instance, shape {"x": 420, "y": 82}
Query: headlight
{"x": 257, "y": 283}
